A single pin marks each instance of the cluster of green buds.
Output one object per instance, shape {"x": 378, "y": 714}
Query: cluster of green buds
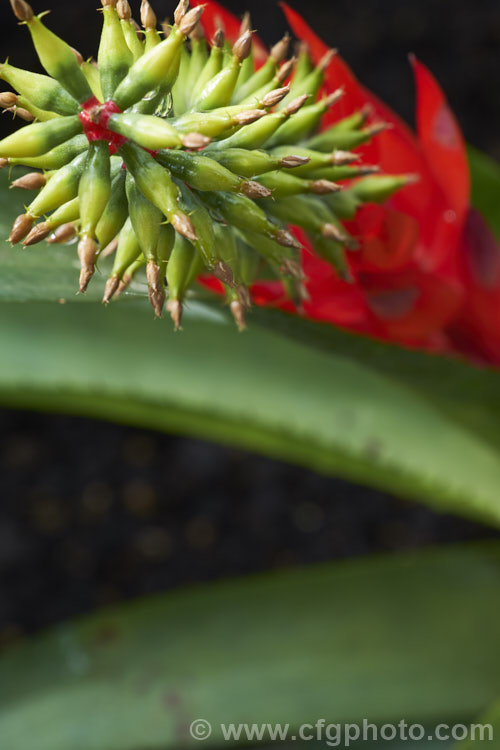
{"x": 173, "y": 154}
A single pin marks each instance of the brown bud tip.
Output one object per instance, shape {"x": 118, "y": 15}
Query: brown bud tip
{"x": 333, "y": 232}
{"x": 296, "y": 104}
{"x": 289, "y": 162}
{"x": 61, "y": 235}
{"x": 341, "y": 158}
{"x": 124, "y": 10}
{"x": 224, "y": 273}
{"x": 286, "y": 238}
{"x": 166, "y": 28}
{"x": 8, "y": 99}
{"x": 219, "y": 39}
{"x": 333, "y": 98}
{"x": 190, "y": 20}
{"x": 22, "y": 10}
{"x": 292, "y": 268}
{"x": 37, "y": 234}
{"x": 110, "y": 249}
{"x": 280, "y": 50}
{"x": 249, "y": 116}
{"x": 183, "y": 224}
{"x": 108, "y": 3}
{"x": 286, "y": 69}
{"x": 87, "y": 252}
{"x": 377, "y": 127}
{"x": 181, "y": 11}
{"x": 148, "y": 16}
{"x": 238, "y": 313}
{"x": 244, "y": 297}
{"x": 20, "y": 228}
{"x": 253, "y": 189}
{"x": 124, "y": 283}
{"x": 153, "y": 274}
{"x": 326, "y": 59}
{"x": 4, "y": 163}
{"x": 78, "y": 55}
{"x": 157, "y": 300}
{"x": 243, "y": 46}
{"x": 411, "y": 179}
{"x": 368, "y": 170}
{"x": 21, "y": 112}
{"x": 323, "y": 187}
{"x": 274, "y": 97}
{"x": 195, "y": 140}
{"x": 197, "y": 33}
{"x": 31, "y": 181}
{"x": 301, "y": 48}
{"x": 112, "y": 285}
{"x": 246, "y": 23}
{"x": 174, "y": 306}
{"x": 366, "y": 112}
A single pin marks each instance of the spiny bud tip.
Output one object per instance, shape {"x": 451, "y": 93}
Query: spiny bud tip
{"x": 62, "y": 234}
{"x": 174, "y": 307}
{"x": 195, "y": 141}
{"x": 289, "y": 162}
{"x": 37, "y": 234}
{"x": 243, "y": 46}
{"x": 275, "y": 97}
{"x": 183, "y": 224}
{"x": 31, "y": 181}
{"x": 280, "y": 50}
{"x": 22, "y": 225}
{"x": 181, "y": 11}
{"x": 124, "y": 10}
{"x": 190, "y": 20}
{"x": 8, "y": 99}
{"x": 110, "y": 289}
{"x": 324, "y": 187}
{"x": 148, "y": 16}
{"x": 87, "y": 253}
{"x": 296, "y": 104}
{"x": 254, "y": 190}
{"x": 22, "y": 10}
{"x": 249, "y": 116}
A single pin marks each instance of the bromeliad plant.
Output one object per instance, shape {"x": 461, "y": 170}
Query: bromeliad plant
{"x": 176, "y": 152}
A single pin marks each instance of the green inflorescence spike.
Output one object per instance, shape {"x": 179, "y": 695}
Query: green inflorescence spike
{"x": 176, "y": 154}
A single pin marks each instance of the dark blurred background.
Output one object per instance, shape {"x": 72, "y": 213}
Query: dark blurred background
{"x": 92, "y": 513}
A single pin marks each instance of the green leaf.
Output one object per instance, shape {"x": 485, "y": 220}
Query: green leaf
{"x": 412, "y": 637}
{"x": 485, "y": 175}
{"x": 485, "y": 728}
{"x": 423, "y": 427}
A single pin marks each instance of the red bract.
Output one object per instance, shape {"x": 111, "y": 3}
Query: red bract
{"x": 428, "y": 271}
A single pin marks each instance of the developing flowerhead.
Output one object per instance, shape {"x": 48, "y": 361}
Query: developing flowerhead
{"x": 176, "y": 154}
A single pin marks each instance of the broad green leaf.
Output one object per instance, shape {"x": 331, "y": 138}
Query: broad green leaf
{"x": 484, "y": 729}
{"x": 423, "y": 427}
{"x": 411, "y": 637}
{"x": 485, "y": 174}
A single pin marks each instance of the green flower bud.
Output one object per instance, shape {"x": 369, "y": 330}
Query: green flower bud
{"x": 61, "y": 188}
{"x": 37, "y": 139}
{"x": 42, "y": 91}
{"x": 114, "y": 58}
{"x": 94, "y": 188}
{"x": 57, "y": 157}
{"x": 146, "y": 219}
{"x": 378, "y": 189}
{"x": 116, "y": 212}
{"x": 150, "y": 70}
{"x": 59, "y": 60}
{"x": 211, "y": 190}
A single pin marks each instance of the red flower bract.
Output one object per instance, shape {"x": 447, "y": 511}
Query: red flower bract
{"x": 427, "y": 274}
